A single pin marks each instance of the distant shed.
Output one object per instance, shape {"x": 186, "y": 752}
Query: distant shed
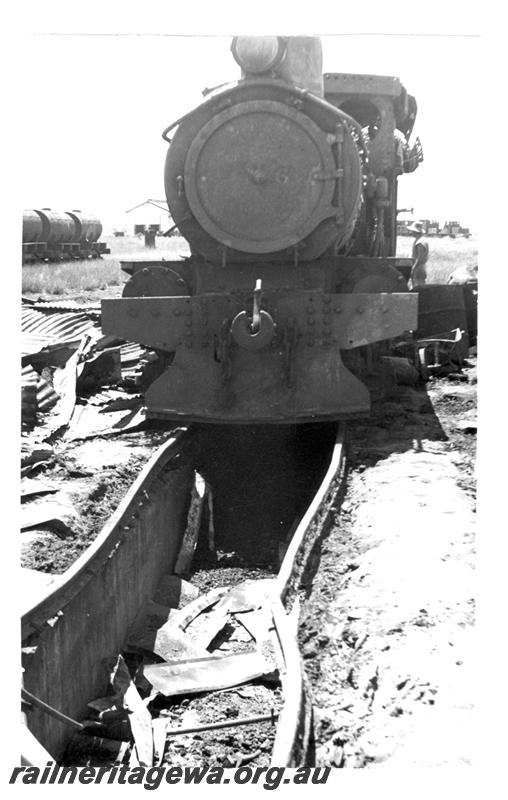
{"x": 150, "y": 214}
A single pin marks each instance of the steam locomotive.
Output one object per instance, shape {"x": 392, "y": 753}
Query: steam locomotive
{"x": 284, "y": 184}
{"x": 55, "y": 236}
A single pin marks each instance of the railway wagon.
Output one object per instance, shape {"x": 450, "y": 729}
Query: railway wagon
{"x": 285, "y": 186}
{"x": 61, "y": 236}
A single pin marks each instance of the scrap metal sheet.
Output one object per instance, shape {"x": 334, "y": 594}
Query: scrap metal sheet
{"x": 206, "y": 674}
{"x": 41, "y": 330}
{"x": 46, "y": 395}
{"x": 36, "y": 394}
{"x": 131, "y": 353}
{"x": 88, "y": 421}
{"x": 30, "y": 487}
{"x": 58, "y": 306}
{"x": 29, "y": 380}
{"x": 62, "y": 326}
{"x": 139, "y": 717}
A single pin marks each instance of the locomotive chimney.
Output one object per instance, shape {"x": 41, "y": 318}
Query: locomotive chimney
{"x": 303, "y": 64}
{"x": 295, "y": 59}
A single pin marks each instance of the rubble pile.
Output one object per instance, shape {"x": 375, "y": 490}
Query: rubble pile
{"x": 77, "y": 386}
{"x": 196, "y": 670}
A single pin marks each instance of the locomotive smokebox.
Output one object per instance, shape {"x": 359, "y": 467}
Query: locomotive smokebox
{"x": 266, "y": 168}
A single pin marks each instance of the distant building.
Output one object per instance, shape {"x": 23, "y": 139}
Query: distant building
{"x": 432, "y": 227}
{"x": 149, "y": 215}
{"x": 404, "y": 219}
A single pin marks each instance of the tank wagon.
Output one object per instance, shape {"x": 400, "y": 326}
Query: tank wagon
{"x": 55, "y": 236}
{"x": 285, "y": 186}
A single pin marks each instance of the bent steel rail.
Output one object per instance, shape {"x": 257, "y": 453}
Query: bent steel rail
{"x": 295, "y": 718}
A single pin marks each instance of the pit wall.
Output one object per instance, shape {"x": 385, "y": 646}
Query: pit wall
{"x": 83, "y": 621}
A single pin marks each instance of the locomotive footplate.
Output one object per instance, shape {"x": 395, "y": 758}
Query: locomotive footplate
{"x": 283, "y": 365}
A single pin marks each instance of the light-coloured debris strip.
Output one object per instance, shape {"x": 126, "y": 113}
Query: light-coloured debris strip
{"x": 208, "y": 674}
{"x": 139, "y": 718}
{"x": 249, "y": 595}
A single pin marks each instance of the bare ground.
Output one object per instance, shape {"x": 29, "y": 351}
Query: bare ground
{"x": 387, "y": 627}
{"x": 92, "y": 477}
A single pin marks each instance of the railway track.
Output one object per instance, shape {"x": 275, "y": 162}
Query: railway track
{"x": 227, "y": 660}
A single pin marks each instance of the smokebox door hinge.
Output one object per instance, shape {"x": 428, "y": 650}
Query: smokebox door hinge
{"x": 327, "y": 175}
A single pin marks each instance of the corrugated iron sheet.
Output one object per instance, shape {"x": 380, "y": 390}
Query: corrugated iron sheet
{"x": 46, "y": 330}
{"x": 53, "y": 327}
{"x": 64, "y": 380}
{"x": 62, "y": 326}
{"x": 60, "y": 306}
{"x": 29, "y": 380}
{"x": 36, "y": 394}
{"x": 31, "y": 343}
{"x": 131, "y": 353}
{"x": 46, "y": 395}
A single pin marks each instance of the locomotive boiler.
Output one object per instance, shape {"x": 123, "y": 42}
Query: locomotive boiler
{"x": 284, "y": 184}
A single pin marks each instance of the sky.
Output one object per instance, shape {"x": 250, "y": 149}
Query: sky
{"x": 92, "y": 138}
